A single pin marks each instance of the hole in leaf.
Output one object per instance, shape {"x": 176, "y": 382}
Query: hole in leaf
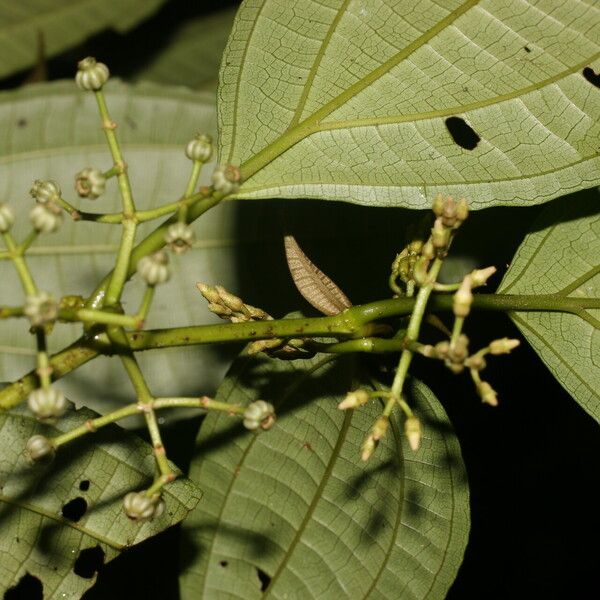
{"x": 74, "y": 509}
{"x": 527, "y": 48}
{"x": 21, "y": 122}
{"x": 264, "y": 579}
{"x": 89, "y": 562}
{"x": 223, "y": 563}
{"x": 84, "y": 485}
{"x": 28, "y": 588}
{"x": 593, "y": 78}
{"x": 462, "y": 133}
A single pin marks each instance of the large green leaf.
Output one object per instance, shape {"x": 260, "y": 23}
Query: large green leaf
{"x": 192, "y": 54}
{"x": 295, "y": 504}
{"x": 93, "y": 476}
{"x": 562, "y": 257}
{"x": 53, "y": 131}
{"x": 62, "y": 23}
{"x": 349, "y": 99}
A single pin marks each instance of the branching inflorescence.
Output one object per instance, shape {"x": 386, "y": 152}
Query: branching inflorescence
{"x": 345, "y": 329}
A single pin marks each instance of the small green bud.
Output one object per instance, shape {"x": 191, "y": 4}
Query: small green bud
{"x": 200, "y": 148}
{"x": 368, "y": 447}
{"x": 46, "y": 218}
{"x": 380, "y": 428}
{"x": 259, "y": 414}
{"x": 440, "y": 235}
{"x": 91, "y": 75}
{"x": 488, "y": 394}
{"x": 354, "y": 399}
{"x": 209, "y": 292}
{"x": 479, "y": 277}
{"x": 40, "y": 308}
{"x": 154, "y": 269}
{"x": 462, "y": 210}
{"x": 45, "y": 191}
{"x": 139, "y": 506}
{"x": 90, "y": 183}
{"x": 463, "y": 298}
{"x": 7, "y": 217}
{"x": 47, "y": 403}
{"x": 438, "y": 205}
{"x": 413, "y": 432}
{"x": 503, "y": 346}
{"x": 180, "y": 237}
{"x": 39, "y": 448}
{"x": 226, "y": 179}
{"x": 428, "y": 251}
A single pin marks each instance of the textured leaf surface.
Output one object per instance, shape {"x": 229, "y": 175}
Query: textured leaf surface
{"x": 297, "y": 504}
{"x": 63, "y": 24}
{"x": 36, "y": 537}
{"x": 193, "y": 54}
{"x": 562, "y": 256}
{"x": 52, "y": 131}
{"x": 348, "y": 99}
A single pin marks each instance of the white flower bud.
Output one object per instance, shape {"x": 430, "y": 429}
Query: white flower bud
{"x": 91, "y": 75}
{"x": 226, "y": 179}
{"x": 229, "y": 300}
{"x": 47, "y": 403}
{"x": 463, "y": 298}
{"x": 380, "y": 428}
{"x": 7, "y": 217}
{"x": 90, "y": 183}
{"x": 200, "y": 148}
{"x": 440, "y": 235}
{"x": 45, "y": 191}
{"x": 259, "y": 414}
{"x": 139, "y": 506}
{"x": 38, "y": 448}
{"x": 368, "y": 447}
{"x": 46, "y": 218}
{"x": 488, "y": 394}
{"x": 479, "y": 277}
{"x": 354, "y": 399}
{"x": 180, "y": 237}
{"x": 413, "y": 432}
{"x": 154, "y": 269}
{"x": 503, "y": 346}
{"x": 40, "y": 308}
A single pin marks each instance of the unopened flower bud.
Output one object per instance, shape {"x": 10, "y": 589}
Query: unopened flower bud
{"x": 39, "y": 448}
{"x": 463, "y": 298}
{"x": 231, "y": 301}
{"x": 368, "y": 447}
{"x": 438, "y": 205}
{"x": 488, "y": 394}
{"x": 413, "y": 432}
{"x": 154, "y": 268}
{"x": 476, "y": 362}
{"x": 200, "y": 148}
{"x": 47, "y": 403}
{"x": 440, "y": 235}
{"x": 462, "y": 210}
{"x": 428, "y": 251}
{"x": 503, "y": 346}
{"x": 7, "y": 217}
{"x": 46, "y": 218}
{"x": 209, "y": 292}
{"x": 180, "y": 237}
{"x": 259, "y": 414}
{"x": 380, "y": 428}
{"x": 40, "y": 308}
{"x": 448, "y": 216}
{"x": 139, "y": 506}
{"x": 45, "y": 191}
{"x": 479, "y": 277}
{"x": 91, "y": 75}
{"x": 226, "y": 179}
{"x": 90, "y": 183}
{"x": 354, "y": 399}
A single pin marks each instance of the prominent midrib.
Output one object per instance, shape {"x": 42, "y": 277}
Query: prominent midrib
{"x": 297, "y": 133}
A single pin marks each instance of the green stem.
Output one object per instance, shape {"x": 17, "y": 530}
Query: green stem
{"x": 11, "y": 311}
{"x": 146, "y": 303}
{"x": 26, "y": 243}
{"x": 20, "y": 265}
{"x": 120, "y": 272}
{"x": 456, "y": 330}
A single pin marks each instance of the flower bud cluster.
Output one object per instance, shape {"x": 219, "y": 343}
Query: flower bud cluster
{"x": 154, "y": 268}
{"x": 180, "y": 237}
{"x": 229, "y": 307}
{"x": 453, "y": 355}
{"x": 47, "y": 403}
{"x": 91, "y": 74}
{"x": 41, "y": 308}
{"x": 259, "y": 414}
{"x": 226, "y": 179}
{"x": 404, "y": 263}
{"x": 451, "y": 214}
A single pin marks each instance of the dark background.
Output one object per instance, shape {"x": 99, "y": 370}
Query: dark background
{"x": 532, "y": 462}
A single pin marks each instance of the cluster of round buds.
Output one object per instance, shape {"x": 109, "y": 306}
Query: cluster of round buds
{"x": 259, "y": 414}
{"x": 354, "y": 399}
{"x": 45, "y": 191}
{"x": 454, "y": 355}
{"x": 40, "y": 308}
{"x": 154, "y": 268}
{"x": 231, "y": 307}
{"x": 180, "y": 237}
{"x": 226, "y": 179}
{"x": 404, "y": 262}
{"x": 91, "y": 75}
{"x": 47, "y": 403}
{"x": 39, "y": 448}
{"x": 46, "y": 218}
{"x": 200, "y": 149}
{"x": 451, "y": 214}
{"x": 7, "y": 217}
{"x": 413, "y": 432}
{"x": 90, "y": 183}
{"x": 138, "y": 506}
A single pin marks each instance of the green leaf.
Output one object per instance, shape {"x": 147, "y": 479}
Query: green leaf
{"x": 296, "y": 503}
{"x": 193, "y": 53}
{"x": 562, "y": 257}
{"x": 52, "y": 131}
{"x": 37, "y": 538}
{"x": 63, "y": 24}
{"x": 347, "y": 100}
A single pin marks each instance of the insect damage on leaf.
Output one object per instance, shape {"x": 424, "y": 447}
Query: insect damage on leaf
{"x": 316, "y": 288}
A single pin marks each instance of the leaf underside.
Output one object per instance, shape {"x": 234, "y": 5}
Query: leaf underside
{"x": 348, "y": 100}
{"x": 562, "y": 256}
{"x": 36, "y": 537}
{"x": 62, "y": 23}
{"x": 296, "y": 506}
